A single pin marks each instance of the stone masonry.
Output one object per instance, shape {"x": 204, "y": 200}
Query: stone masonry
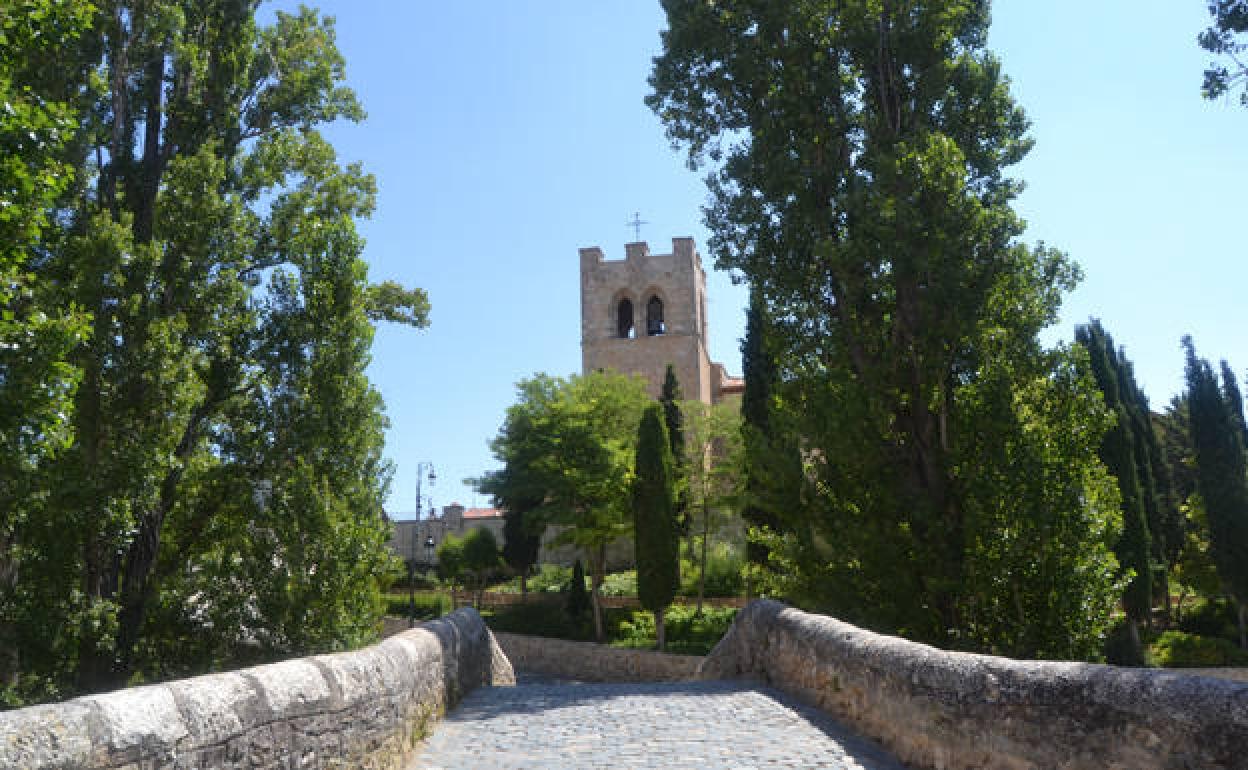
{"x": 620, "y": 330}
{"x": 944, "y": 710}
{"x": 364, "y": 709}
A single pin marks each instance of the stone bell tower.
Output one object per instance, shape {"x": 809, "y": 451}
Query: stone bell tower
{"x": 646, "y": 311}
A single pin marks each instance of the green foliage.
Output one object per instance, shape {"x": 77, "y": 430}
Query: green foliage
{"x": 951, "y": 489}
{"x": 570, "y": 443}
{"x": 1127, "y": 451}
{"x": 1176, "y": 649}
{"x": 688, "y": 631}
{"x": 771, "y": 468}
{"x": 620, "y": 583}
{"x": 541, "y": 618}
{"x": 428, "y": 605}
{"x": 1222, "y": 472}
{"x": 655, "y": 538}
{"x": 547, "y": 578}
{"x": 190, "y": 276}
{"x": 1213, "y": 618}
{"x": 1225, "y": 38}
{"x": 721, "y": 572}
{"x": 481, "y": 558}
{"x": 1123, "y": 646}
{"x": 712, "y": 479}
{"x": 451, "y": 559}
{"x": 40, "y": 63}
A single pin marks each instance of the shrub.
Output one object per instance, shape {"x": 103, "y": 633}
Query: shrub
{"x": 551, "y": 578}
{"x": 1176, "y": 649}
{"x": 1214, "y": 618}
{"x": 620, "y": 584}
{"x": 724, "y": 564}
{"x": 687, "y": 632}
{"x": 428, "y": 605}
{"x": 545, "y": 617}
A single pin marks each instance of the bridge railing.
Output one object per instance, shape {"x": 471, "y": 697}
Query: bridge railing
{"x": 366, "y": 708}
{"x": 940, "y": 709}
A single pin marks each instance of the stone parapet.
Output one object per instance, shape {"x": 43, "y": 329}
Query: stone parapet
{"x": 939, "y": 709}
{"x": 589, "y": 662}
{"x": 362, "y": 709}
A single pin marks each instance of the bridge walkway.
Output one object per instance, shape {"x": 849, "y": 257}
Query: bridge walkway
{"x": 713, "y": 725}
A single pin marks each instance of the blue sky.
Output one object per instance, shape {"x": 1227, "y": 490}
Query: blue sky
{"x": 505, "y": 135}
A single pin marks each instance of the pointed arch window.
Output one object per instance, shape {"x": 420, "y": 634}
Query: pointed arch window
{"x": 624, "y": 319}
{"x": 654, "y": 317}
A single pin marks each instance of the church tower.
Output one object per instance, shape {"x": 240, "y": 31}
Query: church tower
{"x": 646, "y": 311}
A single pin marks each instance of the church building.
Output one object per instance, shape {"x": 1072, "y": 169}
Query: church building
{"x": 646, "y": 311}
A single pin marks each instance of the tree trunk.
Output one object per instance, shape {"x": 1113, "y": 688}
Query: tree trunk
{"x": 660, "y": 627}
{"x": 597, "y": 565}
{"x": 1169, "y": 601}
{"x": 706, "y": 535}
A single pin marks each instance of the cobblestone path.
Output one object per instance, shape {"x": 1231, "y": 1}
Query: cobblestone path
{"x": 674, "y": 726}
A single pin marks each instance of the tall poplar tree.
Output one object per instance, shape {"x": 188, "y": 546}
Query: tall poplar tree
{"x": 655, "y": 534}
{"x": 1222, "y": 474}
{"x": 223, "y": 479}
{"x": 857, "y": 153}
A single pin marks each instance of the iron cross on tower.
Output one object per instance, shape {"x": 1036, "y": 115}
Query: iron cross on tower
{"x": 636, "y": 224}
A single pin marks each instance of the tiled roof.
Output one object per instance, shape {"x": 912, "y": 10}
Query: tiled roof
{"x": 482, "y": 513}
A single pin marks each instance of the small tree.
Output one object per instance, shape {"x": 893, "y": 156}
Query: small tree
{"x": 480, "y": 559}
{"x": 712, "y": 474}
{"x": 451, "y": 559}
{"x": 654, "y": 523}
{"x": 578, "y": 597}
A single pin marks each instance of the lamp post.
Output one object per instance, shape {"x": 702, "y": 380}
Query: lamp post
{"x": 423, "y": 469}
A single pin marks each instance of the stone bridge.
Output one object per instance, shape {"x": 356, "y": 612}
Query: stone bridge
{"x": 782, "y": 689}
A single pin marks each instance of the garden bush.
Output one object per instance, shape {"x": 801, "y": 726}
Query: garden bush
{"x": 687, "y": 632}
{"x": 1176, "y": 649}
{"x": 724, "y": 564}
{"x": 1214, "y": 618}
{"x": 428, "y": 605}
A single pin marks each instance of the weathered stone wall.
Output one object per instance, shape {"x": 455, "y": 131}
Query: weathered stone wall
{"x": 588, "y": 662}
{"x": 363, "y": 709}
{"x": 940, "y": 709}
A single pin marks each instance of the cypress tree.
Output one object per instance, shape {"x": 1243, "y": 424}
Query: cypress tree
{"x": 759, "y": 369}
{"x": 1217, "y": 438}
{"x": 1125, "y": 455}
{"x": 655, "y": 536}
{"x": 1234, "y": 401}
{"x": 578, "y": 597}
{"x": 670, "y": 399}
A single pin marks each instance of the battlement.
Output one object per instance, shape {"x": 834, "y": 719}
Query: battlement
{"x": 683, "y": 252}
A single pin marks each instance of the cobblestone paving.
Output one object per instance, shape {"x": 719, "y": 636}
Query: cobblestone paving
{"x": 674, "y": 726}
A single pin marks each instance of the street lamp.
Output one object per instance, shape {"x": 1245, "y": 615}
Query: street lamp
{"x": 423, "y": 468}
